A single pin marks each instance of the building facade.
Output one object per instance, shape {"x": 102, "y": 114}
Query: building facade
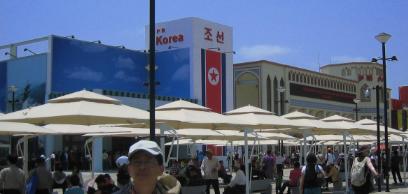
{"x": 400, "y": 110}
{"x": 282, "y": 88}
{"x": 193, "y": 60}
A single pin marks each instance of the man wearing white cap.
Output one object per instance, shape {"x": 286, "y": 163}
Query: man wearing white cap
{"x": 146, "y": 169}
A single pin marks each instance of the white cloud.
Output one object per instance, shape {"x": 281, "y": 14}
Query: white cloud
{"x": 125, "y": 63}
{"x": 262, "y": 51}
{"x": 346, "y": 59}
{"x": 121, "y": 75}
{"x": 181, "y": 73}
{"x": 84, "y": 73}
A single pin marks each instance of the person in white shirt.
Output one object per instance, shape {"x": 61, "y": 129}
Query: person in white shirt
{"x": 330, "y": 159}
{"x": 209, "y": 167}
{"x": 280, "y": 160}
{"x": 237, "y": 184}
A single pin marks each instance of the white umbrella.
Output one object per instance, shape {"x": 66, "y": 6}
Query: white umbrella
{"x": 199, "y": 133}
{"x": 68, "y": 129}
{"x": 124, "y": 132}
{"x": 337, "y": 118}
{"x": 182, "y": 114}
{"x": 259, "y": 117}
{"x": 81, "y": 107}
{"x": 366, "y": 122}
{"x": 14, "y": 128}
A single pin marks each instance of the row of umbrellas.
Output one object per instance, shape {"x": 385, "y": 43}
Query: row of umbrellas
{"x": 88, "y": 108}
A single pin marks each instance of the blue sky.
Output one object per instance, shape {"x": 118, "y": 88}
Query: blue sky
{"x": 299, "y": 33}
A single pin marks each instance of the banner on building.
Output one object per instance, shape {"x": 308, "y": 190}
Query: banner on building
{"x": 213, "y": 80}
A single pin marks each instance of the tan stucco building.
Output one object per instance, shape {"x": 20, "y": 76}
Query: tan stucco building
{"x": 282, "y": 88}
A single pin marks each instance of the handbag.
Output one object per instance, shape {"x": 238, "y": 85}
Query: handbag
{"x": 319, "y": 176}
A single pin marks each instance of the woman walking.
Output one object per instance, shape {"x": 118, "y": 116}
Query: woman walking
{"x": 312, "y": 176}
{"x": 360, "y": 172}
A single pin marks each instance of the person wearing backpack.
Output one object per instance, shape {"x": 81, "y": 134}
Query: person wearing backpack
{"x": 360, "y": 175}
{"x": 312, "y": 176}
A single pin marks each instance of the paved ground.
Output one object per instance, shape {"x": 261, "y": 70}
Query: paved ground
{"x": 394, "y": 189}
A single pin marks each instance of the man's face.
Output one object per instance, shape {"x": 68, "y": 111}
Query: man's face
{"x": 144, "y": 169}
{"x": 209, "y": 155}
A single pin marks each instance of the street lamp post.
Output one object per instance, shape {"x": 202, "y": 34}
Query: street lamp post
{"x": 152, "y": 70}
{"x": 356, "y": 101}
{"x": 383, "y": 38}
{"x": 377, "y": 100}
{"x": 282, "y": 101}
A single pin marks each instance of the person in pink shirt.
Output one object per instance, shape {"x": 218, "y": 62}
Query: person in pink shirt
{"x": 294, "y": 177}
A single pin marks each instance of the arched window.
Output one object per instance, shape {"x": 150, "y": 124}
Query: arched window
{"x": 247, "y": 90}
{"x": 269, "y": 94}
{"x": 365, "y": 94}
{"x": 282, "y": 97}
{"x": 297, "y": 77}
{"x": 275, "y": 95}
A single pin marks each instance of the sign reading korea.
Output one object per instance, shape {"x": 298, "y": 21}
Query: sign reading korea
{"x": 318, "y": 93}
{"x": 163, "y": 39}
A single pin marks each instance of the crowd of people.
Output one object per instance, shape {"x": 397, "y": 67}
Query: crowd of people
{"x": 142, "y": 170}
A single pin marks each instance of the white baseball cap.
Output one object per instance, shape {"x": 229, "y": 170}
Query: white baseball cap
{"x": 122, "y": 160}
{"x": 145, "y": 145}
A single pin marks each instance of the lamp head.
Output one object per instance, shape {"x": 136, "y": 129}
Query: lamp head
{"x": 357, "y": 100}
{"x": 383, "y": 37}
{"x": 25, "y": 49}
{"x": 394, "y": 58}
{"x": 374, "y": 60}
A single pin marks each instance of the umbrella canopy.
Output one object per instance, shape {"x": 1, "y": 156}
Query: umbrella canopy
{"x": 182, "y": 142}
{"x": 308, "y": 122}
{"x": 340, "y": 138}
{"x": 366, "y": 122}
{"x": 372, "y": 125}
{"x": 337, "y": 118}
{"x": 298, "y": 115}
{"x": 67, "y": 129}
{"x": 199, "y": 133}
{"x": 81, "y": 107}
{"x": 133, "y": 133}
{"x": 182, "y": 114}
{"x": 13, "y": 128}
{"x": 259, "y": 117}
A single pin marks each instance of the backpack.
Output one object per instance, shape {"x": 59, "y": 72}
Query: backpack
{"x": 358, "y": 172}
{"x": 31, "y": 185}
{"x": 311, "y": 178}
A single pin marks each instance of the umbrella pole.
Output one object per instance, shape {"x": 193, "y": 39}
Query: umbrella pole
{"x": 247, "y": 188}
{"x": 162, "y": 141}
{"x": 177, "y": 148}
{"x": 25, "y": 167}
{"x": 231, "y": 157}
{"x": 404, "y": 159}
{"x": 345, "y": 163}
{"x": 89, "y": 153}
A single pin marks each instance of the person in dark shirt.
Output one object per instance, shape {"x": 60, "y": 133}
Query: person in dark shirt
{"x": 105, "y": 184}
{"x": 395, "y": 162}
{"x": 223, "y": 173}
{"x": 293, "y": 178}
